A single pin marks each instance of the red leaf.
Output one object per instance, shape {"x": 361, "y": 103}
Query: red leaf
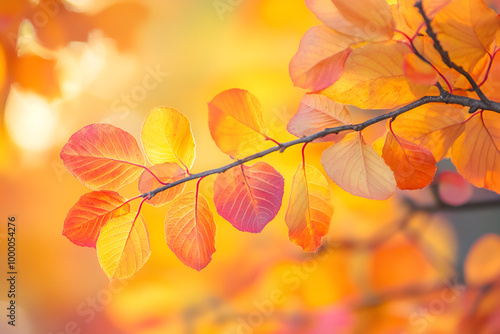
{"x": 103, "y": 157}
{"x": 92, "y": 211}
{"x": 190, "y": 230}
{"x": 167, "y": 173}
{"x": 454, "y": 189}
{"x": 249, "y": 197}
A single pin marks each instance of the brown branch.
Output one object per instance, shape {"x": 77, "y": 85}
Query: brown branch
{"x": 446, "y": 57}
{"x": 444, "y": 97}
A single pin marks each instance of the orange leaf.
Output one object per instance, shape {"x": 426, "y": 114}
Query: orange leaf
{"x": 190, "y": 230}
{"x": 476, "y": 153}
{"x": 123, "y": 246}
{"x": 466, "y": 29}
{"x": 167, "y": 173}
{"x": 310, "y": 209}
{"x": 249, "y": 197}
{"x": 319, "y": 62}
{"x": 413, "y": 165}
{"x": 37, "y": 74}
{"x": 418, "y": 70}
{"x": 454, "y": 189}
{"x": 482, "y": 264}
{"x": 434, "y": 127}
{"x": 166, "y": 136}
{"x": 372, "y": 17}
{"x": 236, "y": 123}
{"x": 355, "y": 167}
{"x": 92, "y": 211}
{"x": 316, "y": 113}
{"x": 103, "y": 157}
{"x": 374, "y": 78}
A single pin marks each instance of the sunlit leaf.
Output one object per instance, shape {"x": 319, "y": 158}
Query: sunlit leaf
{"x": 167, "y": 173}
{"x": 418, "y": 70}
{"x": 316, "y": 113}
{"x": 190, "y": 230}
{"x": 92, "y": 211}
{"x": 355, "y": 167}
{"x": 372, "y": 17}
{"x": 236, "y": 123}
{"x": 310, "y": 209}
{"x": 476, "y": 153}
{"x": 374, "y": 78}
{"x": 123, "y": 246}
{"x": 453, "y": 188}
{"x": 103, "y": 157}
{"x": 249, "y": 197}
{"x": 466, "y": 29}
{"x": 482, "y": 264}
{"x": 37, "y": 74}
{"x": 435, "y": 127}
{"x": 319, "y": 62}
{"x": 166, "y": 136}
{"x": 413, "y": 165}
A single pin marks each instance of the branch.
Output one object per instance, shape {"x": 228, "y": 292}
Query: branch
{"x": 444, "y": 97}
{"x": 445, "y": 56}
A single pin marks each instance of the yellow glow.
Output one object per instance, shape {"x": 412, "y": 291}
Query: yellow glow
{"x": 31, "y": 121}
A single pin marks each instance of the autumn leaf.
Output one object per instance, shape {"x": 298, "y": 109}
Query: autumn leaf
{"x": 166, "y": 136}
{"x": 236, "y": 123}
{"x": 374, "y": 78}
{"x": 355, "y": 167}
{"x": 418, "y": 70}
{"x": 319, "y": 62}
{"x": 190, "y": 230}
{"x": 37, "y": 74}
{"x": 476, "y": 153}
{"x": 413, "y": 165}
{"x": 316, "y": 113}
{"x": 123, "y": 246}
{"x": 435, "y": 127}
{"x": 103, "y": 157}
{"x": 249, "y": 197}
{"x": 466, "y": 29}
{"x": 167, "y": 173}
{"x": 482, "y": 264}
{"x": 92, "y": 211}
{"x": 310, "y": 209}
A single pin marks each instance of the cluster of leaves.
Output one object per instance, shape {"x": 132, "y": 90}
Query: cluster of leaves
{"x": 389, "y": 55}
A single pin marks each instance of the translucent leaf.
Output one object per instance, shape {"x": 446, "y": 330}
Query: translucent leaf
{"x": 236, "y": 123}
{"x": 103, "y": 157}
{"x": 482, "y": 264}
{"x": 166, "y": 136}
{"x": 310, "y": 209}
{"x": 190, "y": 230}
{"x": 92, "y": 211}
{"x": 355, "y": 167}
{"x": 249, "y": 197}
{"x": 123, "y": 246}
{"x": 316, "y": 113}
{"x": 413, "y": 165}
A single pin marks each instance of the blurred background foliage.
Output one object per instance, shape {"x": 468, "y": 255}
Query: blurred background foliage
{"x": 68, "y": 63}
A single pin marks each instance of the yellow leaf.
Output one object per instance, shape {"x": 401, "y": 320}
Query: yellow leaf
{"x": 236, "y": 123}
{"x": 374, "y": 78}
{"x": 123, "y": 246}
{"x": 166, "y": 136}
{"x": 310, "y": 209}
{"x": 355, "y": 167}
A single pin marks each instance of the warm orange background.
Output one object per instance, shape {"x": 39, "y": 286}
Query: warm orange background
{"x": 61, "y": 286}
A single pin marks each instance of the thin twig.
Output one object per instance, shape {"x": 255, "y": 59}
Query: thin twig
{"x": 444, "y": 97}
{"x": 445, "y": 56}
